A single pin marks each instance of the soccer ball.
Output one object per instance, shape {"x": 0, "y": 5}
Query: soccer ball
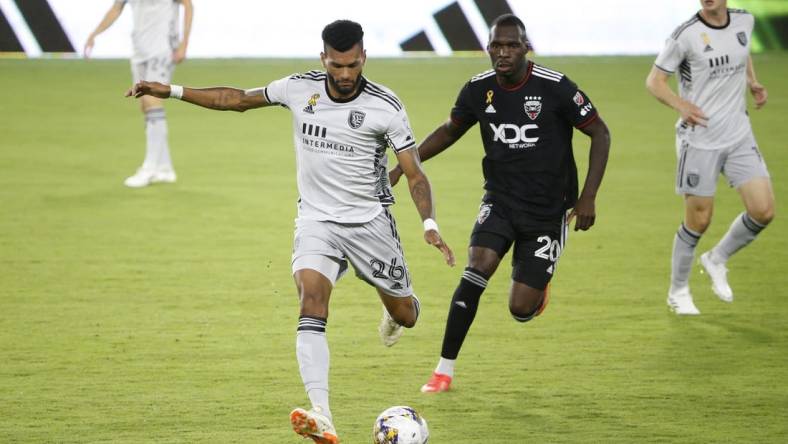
{"x": 400, "y": 425}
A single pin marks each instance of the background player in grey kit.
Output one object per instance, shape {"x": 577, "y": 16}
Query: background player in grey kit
{"x": 342, "y": 124}
{"x": 157, "y": 48}
{"x": 711, "y": 53}
{"x": 526, "y": 114}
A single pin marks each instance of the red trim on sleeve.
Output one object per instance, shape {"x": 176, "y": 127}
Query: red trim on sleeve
{"x": 457, "y": 122}
{"x": 587, "y": 121}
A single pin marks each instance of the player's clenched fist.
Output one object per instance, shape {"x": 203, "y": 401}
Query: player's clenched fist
{"x": 154, "y": 89}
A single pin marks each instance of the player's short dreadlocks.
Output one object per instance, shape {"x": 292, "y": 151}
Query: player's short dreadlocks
{"x": 342, "y": 35}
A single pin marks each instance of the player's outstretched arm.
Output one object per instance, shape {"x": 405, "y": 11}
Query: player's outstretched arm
{"x": 421, "y": 192}
{"x": 443, "y": 137}
{"x": 585, "y": 208}
{"x": 218, "y": 98}
{"x": 657, "y": 85}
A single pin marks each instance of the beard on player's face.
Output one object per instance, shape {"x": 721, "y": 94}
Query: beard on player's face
{"x": 344, "y": 85}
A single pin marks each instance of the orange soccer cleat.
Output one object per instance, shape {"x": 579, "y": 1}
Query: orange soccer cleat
{"x": 438, "y": 383}
{"x": 313, "y": 425}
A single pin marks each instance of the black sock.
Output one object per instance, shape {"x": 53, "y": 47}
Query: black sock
{"x": 462, "y": 311}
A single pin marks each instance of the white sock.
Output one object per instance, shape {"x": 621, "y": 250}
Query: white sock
{"x": 313, "y": 361}
{"x": 446, "y": 367}
{"x": 681, "y": 259}
{"x": 157, "y": 152}
{"x": 742, "y": 231}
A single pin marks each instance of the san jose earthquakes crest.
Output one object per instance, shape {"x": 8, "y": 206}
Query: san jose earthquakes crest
{"x": 355, "y": 119}
{"x": 742, "y": 37}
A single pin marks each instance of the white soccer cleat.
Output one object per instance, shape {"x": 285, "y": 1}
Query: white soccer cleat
{"x": 314, "y": 425}
{"x": 142, "y": 178}
{"x": 390, "y": 331}
{"x": 680, "y": 302}
{"x": 164, "y": 176}
{"x": 719, "y": 277}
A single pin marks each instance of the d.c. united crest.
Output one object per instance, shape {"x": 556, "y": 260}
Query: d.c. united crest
{"x": 484, "y": 212}
{"x": 355, "y": 119}
{"x": 533, "y": 106}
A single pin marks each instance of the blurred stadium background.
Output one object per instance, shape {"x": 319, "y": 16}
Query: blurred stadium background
{"x": 167, "y": 314}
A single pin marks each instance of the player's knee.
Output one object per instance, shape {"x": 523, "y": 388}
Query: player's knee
{"x": 523, "y": 310}
{"x": 699, "y": 223}
{"x": 313, "y": 304}
{"x": 405, "y": 318}
{"x": 763, "y": 215}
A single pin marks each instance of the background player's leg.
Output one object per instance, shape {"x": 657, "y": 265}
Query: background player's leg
{"x": 314, "y": 291}
{"x": 526, "y": 302}
{"x": 157, "y": 153}
{"x": 697, "y": 217}
{"x": 758, "y": 199}
{"x": 482, "y": 263}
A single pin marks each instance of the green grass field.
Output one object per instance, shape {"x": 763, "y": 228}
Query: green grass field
{"x": 168, "y": 314}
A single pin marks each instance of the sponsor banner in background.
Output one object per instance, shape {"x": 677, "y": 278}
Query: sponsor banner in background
{"x": 253, "y": 28}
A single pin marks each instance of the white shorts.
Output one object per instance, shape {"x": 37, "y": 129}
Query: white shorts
{"x": 373, "y": 248}
{"x": 698, "y": 169}
{"x": 155, "y": 69}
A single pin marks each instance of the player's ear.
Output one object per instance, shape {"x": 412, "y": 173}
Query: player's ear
{"x": 323, "y": 58}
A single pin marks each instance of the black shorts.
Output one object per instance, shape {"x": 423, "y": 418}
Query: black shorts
{"x": 537, "y": 243}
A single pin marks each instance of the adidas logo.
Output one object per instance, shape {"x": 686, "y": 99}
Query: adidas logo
{"x": 708, "y": 48}
{"x": 37, "y": 31}
{"x": 460, "y": 304}
{"x": 490, "y": 109}
{"x": 453, "y": 22}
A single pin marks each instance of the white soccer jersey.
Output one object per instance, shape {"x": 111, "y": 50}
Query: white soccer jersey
{"x": 341, "y": 146}
{"x": 155, "y": 27}
{"x": 712, "y": 66}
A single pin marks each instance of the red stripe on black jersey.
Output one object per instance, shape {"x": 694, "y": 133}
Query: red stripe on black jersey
{"x": 588, "y": 121}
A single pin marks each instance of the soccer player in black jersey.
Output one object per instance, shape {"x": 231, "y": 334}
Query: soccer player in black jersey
{"x": 526, "y": 115}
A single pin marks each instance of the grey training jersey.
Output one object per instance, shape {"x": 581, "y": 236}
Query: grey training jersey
{"x": 155, "y": 27}
{"x": 341, "y": 146}
{"x": 712, "y": 66}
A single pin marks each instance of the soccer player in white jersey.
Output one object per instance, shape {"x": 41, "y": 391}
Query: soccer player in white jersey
{"x": 342, "y": 125}
{"x": 157, "y": 49}
{"x": 711, "y": 53}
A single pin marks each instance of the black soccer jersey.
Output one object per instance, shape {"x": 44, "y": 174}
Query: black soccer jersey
{"x": 527, "y": 136}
